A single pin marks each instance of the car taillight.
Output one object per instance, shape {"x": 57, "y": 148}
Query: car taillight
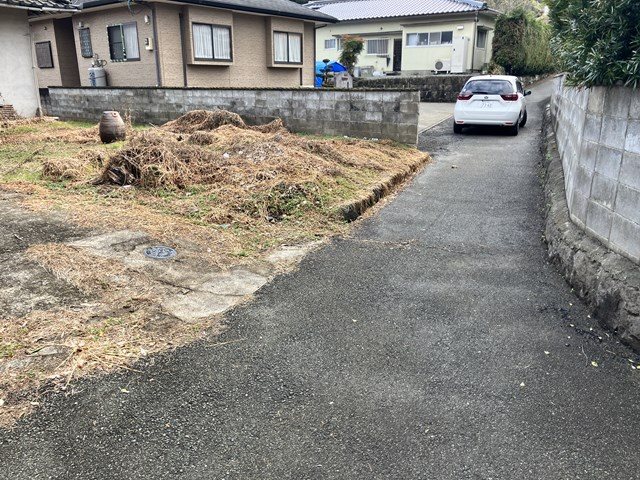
{"x": 510, "y": 97}
{"x": 465, "y": 96}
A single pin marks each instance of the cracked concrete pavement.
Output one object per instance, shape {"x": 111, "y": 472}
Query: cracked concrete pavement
{"x": 436, "y": 343}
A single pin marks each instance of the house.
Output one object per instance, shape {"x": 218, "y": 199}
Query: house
{"x": 409, "y": 36}
{"x": 18, "y": 90}
{"x": 177, "y": 43}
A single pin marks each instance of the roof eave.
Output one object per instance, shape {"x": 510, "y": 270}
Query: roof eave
{"x": 39, "y": 9}
{"x": 216, "y": 4}
{"x": 417, "y": 15}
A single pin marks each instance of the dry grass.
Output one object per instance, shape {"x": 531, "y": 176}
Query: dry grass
{"x": 123, "y": 322}
{"x": 229, "y": 191}
{"x": 235, "y": 191}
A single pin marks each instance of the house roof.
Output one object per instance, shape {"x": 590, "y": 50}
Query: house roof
{"x": 39, "y": 5}
{"x": 284, "y": 8}
{"x": 345, "y": 10}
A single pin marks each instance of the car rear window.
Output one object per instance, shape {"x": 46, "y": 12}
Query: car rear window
{"x": 489, "y": 87}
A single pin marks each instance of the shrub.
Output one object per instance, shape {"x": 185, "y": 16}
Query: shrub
{"x": 597, "y": 42}
{"x": 521, "y": 44}
{"x": 352, "y": 46}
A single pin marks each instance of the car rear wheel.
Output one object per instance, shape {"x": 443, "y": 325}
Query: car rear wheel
{"x": 523, "y": 122}
{"x": 515, "y": 129}
{"x": 457, "y": 128}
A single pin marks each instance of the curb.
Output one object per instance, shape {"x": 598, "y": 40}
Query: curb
{"x": 607, "y": 281}
{"x": 435, "y": 124}
{"x": 353, "y": 210}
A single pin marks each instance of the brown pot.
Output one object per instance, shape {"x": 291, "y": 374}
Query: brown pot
{"x": 112, "y": 128}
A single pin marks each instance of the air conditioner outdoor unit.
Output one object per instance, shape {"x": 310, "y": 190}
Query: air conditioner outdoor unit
{"x": 442, "y": 66}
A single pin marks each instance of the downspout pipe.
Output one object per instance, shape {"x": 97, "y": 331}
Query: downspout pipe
{"x": 182, "y": 49}
{"x": 156, "y": 47}
{"x": 475, "y": 39}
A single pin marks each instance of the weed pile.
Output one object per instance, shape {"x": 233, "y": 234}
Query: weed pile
{"x": 262, "y": 172}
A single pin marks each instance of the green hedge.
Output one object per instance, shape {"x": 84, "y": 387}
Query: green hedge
{"x": 597, "y": 42}
{"x": 521, "y": 44}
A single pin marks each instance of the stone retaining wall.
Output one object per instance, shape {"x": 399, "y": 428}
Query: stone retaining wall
{"x": 609, "y": 282}
{"x": 433, "y": 88}
{"x": 391, "y": 114}
{"x": 598, "y": 136}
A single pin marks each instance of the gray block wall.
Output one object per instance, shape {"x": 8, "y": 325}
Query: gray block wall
{"x": 433, "y": 88}
{"x": 357, "y": 113}
{"x": 598, "y": 136}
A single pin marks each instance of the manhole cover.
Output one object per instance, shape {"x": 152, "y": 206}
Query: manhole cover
{"x": 160, "y": 252}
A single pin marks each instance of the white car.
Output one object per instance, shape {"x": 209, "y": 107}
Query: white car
{"x": 491, "y": 100}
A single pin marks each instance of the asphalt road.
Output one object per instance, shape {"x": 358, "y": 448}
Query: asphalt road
{"x": 436, "y": 343}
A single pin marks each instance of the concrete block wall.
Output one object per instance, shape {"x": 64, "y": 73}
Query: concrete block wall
{"x": 598, "y": 137}
{"x": 358, "y": 113}
{"x": 433, "y": 88}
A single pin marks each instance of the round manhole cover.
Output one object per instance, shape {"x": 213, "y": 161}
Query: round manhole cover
{"x": 160, "y": 252}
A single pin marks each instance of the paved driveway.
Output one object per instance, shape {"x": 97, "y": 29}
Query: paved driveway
{"x": 437, "y": 343}
{"x": 432, "y": 114}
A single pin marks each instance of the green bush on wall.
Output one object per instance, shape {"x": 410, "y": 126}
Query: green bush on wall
{"x": 597, "y": 42}
{"x": 521, "y": 44}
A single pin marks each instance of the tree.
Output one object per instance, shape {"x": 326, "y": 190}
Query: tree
{"x": 534, "y": 6}
{"x": 597, "y": 42}
{"x": 521, "y": 44}
{"x": 352, "y": 46}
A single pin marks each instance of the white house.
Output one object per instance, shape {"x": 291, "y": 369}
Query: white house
{"x": 18, "y": 85}
{"x": 410, "y": 36}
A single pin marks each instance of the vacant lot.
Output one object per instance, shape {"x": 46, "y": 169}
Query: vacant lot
{"x": 238, "y": 203}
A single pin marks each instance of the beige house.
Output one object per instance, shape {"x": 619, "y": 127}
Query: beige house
{"x": 18, "y": 89}
{"x": 193, "y": 43}
{"x": 409, "y": 36}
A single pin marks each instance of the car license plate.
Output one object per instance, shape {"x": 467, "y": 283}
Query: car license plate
{"x": 486, "y": 105}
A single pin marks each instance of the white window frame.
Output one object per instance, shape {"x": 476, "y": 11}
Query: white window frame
{"x": 378, "y": 54}
{"x": 288, "y": 61}
{"x": 215, "y": 56}
{"x": 336, "y": 42}
{"x": 430, "y": 42}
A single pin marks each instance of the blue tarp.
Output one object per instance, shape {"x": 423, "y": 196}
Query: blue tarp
{"x": 336, "y": 67}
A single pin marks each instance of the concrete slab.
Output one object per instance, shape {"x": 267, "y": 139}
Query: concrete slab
{"x": 189, "y": 290}
{"x": 432, "y": 114}
{"x": 194, "y": 306}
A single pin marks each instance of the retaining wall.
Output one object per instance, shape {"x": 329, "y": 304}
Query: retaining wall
{"x": 609, "y": 282}
{"x": 598, "y": 137}
{"x": 433, "y": 88}
{"x": 391, "y": 114}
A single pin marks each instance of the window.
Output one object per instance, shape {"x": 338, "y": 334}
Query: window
{"x": 123, "y": 42}
{"x": 432, "y": 38}
{"x": 378, "y": 46}
{"x": 86, "y": 49}
{"x": 287, "y": 47}
{"x": 481, "y": 39}
{"x": 211, "y": 42}
{"x": 489, "y": 87}
{"x": 417, "y": 39}
{"x": 333, "y": 44}
{"x": 43, "y": 55}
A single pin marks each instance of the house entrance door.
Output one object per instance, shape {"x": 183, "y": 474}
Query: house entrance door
{"x": 397, "y": 54}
